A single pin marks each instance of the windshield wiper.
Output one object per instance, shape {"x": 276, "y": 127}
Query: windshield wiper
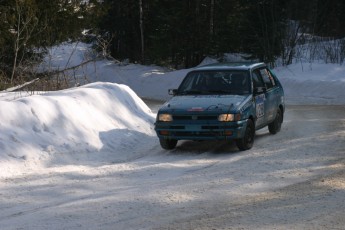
{"x": 220, "y": 91}
{"x": 191, "y": 92}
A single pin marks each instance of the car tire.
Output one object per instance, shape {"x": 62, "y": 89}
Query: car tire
{"x": 247, "y": 141}
{"x": 167, "y": 144}
{"x": 275, "y": 126}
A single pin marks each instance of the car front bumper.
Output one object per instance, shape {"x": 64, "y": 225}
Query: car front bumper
{"x": 201, "y": 131}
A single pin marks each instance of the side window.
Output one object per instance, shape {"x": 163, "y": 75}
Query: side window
{"x": 267, "y": 78}
{"x": 271, "y": 77}
{"x": 257, "y": 80}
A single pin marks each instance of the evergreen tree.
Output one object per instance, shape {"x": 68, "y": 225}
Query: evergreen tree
{"x": 182, "y": 33}
{"x": 264, "y": 29}
{"x": 27, "y": 27}
{"x": 121, "y": 20}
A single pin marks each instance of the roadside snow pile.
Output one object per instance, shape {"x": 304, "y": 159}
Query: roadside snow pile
{"x": 317, "y": 83}
{"x": 313, "y": 83}
{"x": 108, "y": 121}
{"x": 304, "y": 82}
{"x": 104, "y": 119}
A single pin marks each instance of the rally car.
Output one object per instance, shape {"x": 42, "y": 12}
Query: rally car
{"x": 223, "y": 101}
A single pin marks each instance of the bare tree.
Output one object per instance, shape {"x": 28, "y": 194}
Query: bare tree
{"x": 294, "y": 33}
{"x": 23, "y": 27}
{"x": 104, "y": 42}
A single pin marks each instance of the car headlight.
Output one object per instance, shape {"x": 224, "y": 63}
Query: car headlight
{"x": 229, "y": 117}
{"x": 165, "y": 117}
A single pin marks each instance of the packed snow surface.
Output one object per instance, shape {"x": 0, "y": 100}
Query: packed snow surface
{"x": 88, "y": 158}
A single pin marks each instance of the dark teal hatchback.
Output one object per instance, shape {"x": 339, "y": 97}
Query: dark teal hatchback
{"x": 223, "y": 101}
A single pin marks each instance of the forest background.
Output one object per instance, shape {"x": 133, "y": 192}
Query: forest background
{"x": 170, "y": 33}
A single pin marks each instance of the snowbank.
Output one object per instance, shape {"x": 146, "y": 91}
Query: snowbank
{"x": 109, "y": 120}
{"x": 313, "y": 83}
{"x": 106, "y": 120}
{"x": 304, "y": 82}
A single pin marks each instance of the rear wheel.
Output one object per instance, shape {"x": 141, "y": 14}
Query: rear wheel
{"x": 247, "y": 141}
{"x": 275, "y": 126}
{"x": 167, "y": 143}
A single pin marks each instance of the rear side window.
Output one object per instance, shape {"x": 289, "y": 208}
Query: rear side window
{"x": 267, "y": 78}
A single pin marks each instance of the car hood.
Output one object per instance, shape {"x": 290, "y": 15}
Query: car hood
{"x": 210, "y": 103}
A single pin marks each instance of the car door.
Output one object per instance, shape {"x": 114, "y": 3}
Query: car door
{"x": 259, "y": 99}
{"x": 271, "y": 95}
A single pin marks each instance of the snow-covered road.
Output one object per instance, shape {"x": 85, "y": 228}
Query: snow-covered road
{"x": 292, "y": 180}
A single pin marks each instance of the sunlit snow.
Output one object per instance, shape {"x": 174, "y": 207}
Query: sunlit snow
{"x": 105, "y": 119}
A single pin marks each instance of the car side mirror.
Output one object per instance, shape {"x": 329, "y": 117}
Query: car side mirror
{"x": 259, "y": 90}
{"x": 172, "y": 92}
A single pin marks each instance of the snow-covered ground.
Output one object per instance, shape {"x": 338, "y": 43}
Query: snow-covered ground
{"x": 88, "y": 158}
{"x": 304, "y": 83}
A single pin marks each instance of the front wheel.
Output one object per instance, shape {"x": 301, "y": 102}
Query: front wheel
{"x": 247, "y": 141}
{"x": 167, "y": 143}
{"x": 275, "y": 126}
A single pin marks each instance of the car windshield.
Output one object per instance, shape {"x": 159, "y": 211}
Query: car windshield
{"x": 215, "y": 82}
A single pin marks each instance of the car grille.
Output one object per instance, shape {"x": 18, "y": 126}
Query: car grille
{"x": 194, "y": 117}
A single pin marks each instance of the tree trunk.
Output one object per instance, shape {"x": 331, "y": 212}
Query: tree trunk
{"x": 142, "y": 31}
{"x": 212, "y": 19}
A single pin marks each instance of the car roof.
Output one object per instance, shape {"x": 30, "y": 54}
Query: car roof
{"x": 231, "y": 65}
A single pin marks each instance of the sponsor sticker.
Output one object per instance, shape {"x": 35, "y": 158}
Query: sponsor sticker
{"x": 198, "y": 109}
{"x": 260, "y": 108}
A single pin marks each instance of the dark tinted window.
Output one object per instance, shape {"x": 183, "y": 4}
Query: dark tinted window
{"x": 216, "y": 82}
